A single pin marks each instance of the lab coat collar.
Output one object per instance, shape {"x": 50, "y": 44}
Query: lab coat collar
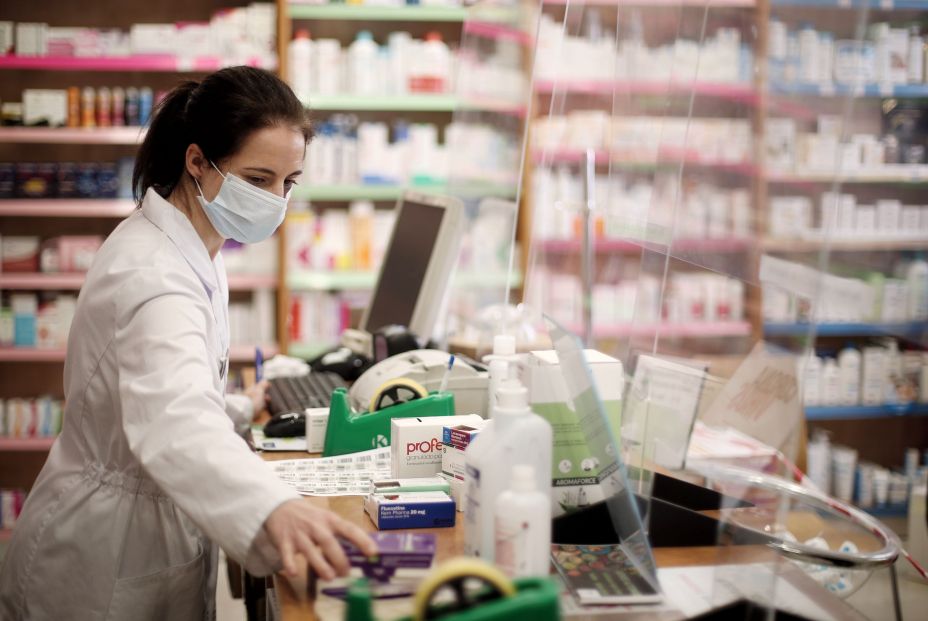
{"x": 175, "y": 224}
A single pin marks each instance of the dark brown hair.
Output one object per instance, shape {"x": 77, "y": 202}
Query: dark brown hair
{"x": 217, "y": 114}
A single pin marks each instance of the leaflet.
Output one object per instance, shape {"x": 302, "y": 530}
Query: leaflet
{"x": 342, "y": 475}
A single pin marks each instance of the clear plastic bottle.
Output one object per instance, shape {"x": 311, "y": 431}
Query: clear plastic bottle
{"x": 522, "y": 532}
{"x": 299, "y": 64}
{"x": 516, "y": 435}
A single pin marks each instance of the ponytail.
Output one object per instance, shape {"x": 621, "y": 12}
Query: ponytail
{"x": 161, "y": 156}
{"x": 217, "y": 115}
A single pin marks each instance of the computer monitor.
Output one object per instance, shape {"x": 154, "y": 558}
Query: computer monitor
{"x": 417, "y": 266}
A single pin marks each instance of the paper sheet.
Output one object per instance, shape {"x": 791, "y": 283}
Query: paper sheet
{"x": 263, "y": 443}
{"x": 344, "y": 475}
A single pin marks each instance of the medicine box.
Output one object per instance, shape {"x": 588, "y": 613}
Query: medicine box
{"x": 415, "y": 444}
{"x": 405, "y": 486}
{"x": 455, "y": 440}
{"x": 317, "y": 420}
{"x": 417, "y": 510}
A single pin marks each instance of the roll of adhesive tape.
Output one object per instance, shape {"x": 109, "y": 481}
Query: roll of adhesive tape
{"x": 398, "y": 390}
{"x": 453, "y": 574}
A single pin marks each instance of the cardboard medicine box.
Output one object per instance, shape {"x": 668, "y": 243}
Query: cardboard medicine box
{"x": 415, "y": 444}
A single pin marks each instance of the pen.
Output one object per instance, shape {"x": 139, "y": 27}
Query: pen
{"x": 259, "y": 364}
{"x": 447, "y": 375}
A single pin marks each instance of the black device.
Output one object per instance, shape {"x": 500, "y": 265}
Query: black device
{"x": 290, "y": 396}
{"x": 286, "y": 425}
{"x": 341, "y": 361}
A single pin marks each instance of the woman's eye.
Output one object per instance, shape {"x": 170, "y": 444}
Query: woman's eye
{"x": 289, "y": 184}
{"x": 256, "y": 180}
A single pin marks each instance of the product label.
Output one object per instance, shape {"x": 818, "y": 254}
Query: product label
{"x": 472, "y": 531}
{"x": 512, "y": 551}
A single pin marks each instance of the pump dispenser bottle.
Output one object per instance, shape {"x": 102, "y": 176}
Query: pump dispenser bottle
{"x": 522, "y": 532}
{"x": 514, "y": 436}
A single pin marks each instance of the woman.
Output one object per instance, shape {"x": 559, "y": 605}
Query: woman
{"x": 149, "y": 475}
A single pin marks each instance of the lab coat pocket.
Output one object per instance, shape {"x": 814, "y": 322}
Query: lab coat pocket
{"x": 173, "y": 593}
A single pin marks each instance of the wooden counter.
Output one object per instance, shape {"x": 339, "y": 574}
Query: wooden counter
{"x": 294, "y": 602}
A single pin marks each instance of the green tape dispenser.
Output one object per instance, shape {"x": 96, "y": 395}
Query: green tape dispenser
{"x": 478, "y": 592}
{"x": 349, "y": 431}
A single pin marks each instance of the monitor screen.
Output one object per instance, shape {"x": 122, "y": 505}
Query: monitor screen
{"x": 404, "y": 266}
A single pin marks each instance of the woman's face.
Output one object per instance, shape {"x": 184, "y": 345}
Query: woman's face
{"x": 270, "y": 158}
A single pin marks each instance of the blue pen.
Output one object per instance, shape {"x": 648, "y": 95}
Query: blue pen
{"x": 259, "y": 364}
{"x": 447, "y": 375}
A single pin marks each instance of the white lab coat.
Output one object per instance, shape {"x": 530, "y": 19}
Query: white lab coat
{"x": 148, "y": 474}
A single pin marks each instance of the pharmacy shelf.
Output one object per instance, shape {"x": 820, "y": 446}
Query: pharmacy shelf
{"x": 67, "y": 208}
{"x": 849, "y": 412}
{"x": 497, "y": 32}
{"x": 410, "y": 13}
{"x": 385, "y": 103}
{"x": 845, "y": 245}
{"x": 698, "y": 329}
{"x": 307, "y": 351}
{"x": 722, "y": 90}
{"x": 911, "y": 329}
{"x": 344, "y": 193}
{"x": 903, "y": 91}
{"x": 31, "y": 282}
{"x": 714, "y": 4}
{"x": 661, "y": 158}
{"x": 31, "y": 354}
{"x": 885, "y": 5}
{"x": 153, "y": 62}
{"x": 65, "y": 282}
{"x": 605, "y": 246}
{"x": 26, "y": 444}
{"x": 72, "y": 135}
{"x": 331, "y": 280}
{"x": 347, "y": 280}
{"x": 237, "y": 353}
{"x": 896, "y": 174}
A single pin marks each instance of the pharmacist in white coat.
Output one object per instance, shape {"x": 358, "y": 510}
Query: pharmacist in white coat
{"x": 149, "y": 474}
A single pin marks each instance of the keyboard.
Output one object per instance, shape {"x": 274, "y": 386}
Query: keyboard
{"x": 295, "y": 394}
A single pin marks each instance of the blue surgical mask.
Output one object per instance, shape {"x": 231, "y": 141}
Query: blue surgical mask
{"x": 243, "y": 212}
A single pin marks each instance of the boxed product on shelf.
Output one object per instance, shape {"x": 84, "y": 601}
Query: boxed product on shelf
{"x": 252, "y": 323}
{"x": 30, "y": 418}
{"x": 236, "y": 36}
{"x": 45, "y": 106}
{"x": 19, "y": 253}
{"x": 11, "y": 505}
{"x": 318, "y": 318}
{"x": 37, "y": 321}
{"x": 888, "y": 56}
{"x": 337, "y": 240}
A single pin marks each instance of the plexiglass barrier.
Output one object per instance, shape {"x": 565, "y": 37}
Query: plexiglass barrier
{"x": 724, "y": 197}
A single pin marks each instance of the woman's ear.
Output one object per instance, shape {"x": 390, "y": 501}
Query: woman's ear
{"x": 195, "y": 163}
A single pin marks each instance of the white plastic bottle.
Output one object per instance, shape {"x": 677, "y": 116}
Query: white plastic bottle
{"x": 916, "y": 278}
{"x": 516, "y": 435}
{"x": 362, "y": 64}
{"x": 434, "y": 66}
{"x": 299, "y": 64}
{"x": 812, "y": 380}
{"x": 504, "y": 350}
{"x": 327, "y": 78}
{"x": 849, "y": 366}
{"x": 916, "y": 56}
{"x": 831, "y": 382}
{"x": 522, "y": 533}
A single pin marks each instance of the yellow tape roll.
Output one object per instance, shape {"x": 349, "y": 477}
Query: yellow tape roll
{"x": 454, "y": 573}
{"x": 397, "y": 390}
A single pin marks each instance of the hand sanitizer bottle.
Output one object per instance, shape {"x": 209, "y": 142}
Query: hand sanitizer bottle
{"x": 522, "y": 531}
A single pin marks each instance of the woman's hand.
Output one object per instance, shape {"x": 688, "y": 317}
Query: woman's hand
{"x": 297, "y": 526}
{"x": 258, "y": 395}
